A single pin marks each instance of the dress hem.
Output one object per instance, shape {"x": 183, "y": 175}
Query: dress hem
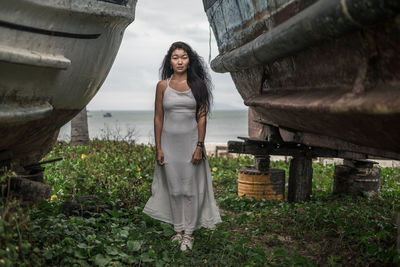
{"x": 209, "y": 224}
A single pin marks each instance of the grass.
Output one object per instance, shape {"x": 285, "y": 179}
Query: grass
{"x": 328, "y": 230}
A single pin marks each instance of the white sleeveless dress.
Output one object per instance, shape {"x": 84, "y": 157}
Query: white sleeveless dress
{"x": 182, "y": 192}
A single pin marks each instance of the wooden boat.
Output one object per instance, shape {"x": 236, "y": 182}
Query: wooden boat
{"x": 54, "y": 56}
{"x": 321, "y": 74}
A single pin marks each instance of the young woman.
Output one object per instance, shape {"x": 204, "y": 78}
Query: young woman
{"x": 182, "y": 192}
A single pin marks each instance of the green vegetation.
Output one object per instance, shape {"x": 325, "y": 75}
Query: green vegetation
{"x": 328, "y": 230}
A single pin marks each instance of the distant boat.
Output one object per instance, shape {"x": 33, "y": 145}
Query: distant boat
{"x": 107, "y": 115}
{"x": 320, "y": 73}
{"x": 54, "y": 56}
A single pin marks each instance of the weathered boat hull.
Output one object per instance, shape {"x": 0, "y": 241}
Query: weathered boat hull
{"x": 54, "y": 56}
{"x": 325, "y": 71}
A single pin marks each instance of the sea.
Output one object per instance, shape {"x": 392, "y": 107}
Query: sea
{"x": 222, "y": 126}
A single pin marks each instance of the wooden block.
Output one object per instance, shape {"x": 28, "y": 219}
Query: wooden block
{"x": 29, "y": 191}
{"x": 350, "y": 180}
{"x": 398, "y": 232}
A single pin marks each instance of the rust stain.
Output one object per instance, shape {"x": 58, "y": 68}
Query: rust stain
{"x": 286, "y": 13}
{"x": 277, "y": 18}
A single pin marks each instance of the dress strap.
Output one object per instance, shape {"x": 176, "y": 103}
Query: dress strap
{"x": 168, "y": 80}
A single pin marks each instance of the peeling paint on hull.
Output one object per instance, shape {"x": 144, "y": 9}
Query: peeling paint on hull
{"x": 346, "y": 86}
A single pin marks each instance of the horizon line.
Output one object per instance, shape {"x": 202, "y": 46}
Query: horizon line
{"x": 153, "y": 110}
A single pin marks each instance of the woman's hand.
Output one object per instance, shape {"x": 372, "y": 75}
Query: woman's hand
{"x": 160, "y": 157}
{"x": 197, "y": 155}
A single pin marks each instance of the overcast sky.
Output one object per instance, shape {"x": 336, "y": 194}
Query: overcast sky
{"x": 131, "y": 82}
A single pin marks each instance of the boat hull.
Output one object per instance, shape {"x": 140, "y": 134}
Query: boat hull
{"x": 54, "y": 57}
{"x": 344, "y": 86}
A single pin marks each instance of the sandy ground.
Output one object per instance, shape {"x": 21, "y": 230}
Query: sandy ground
{"x": 221, "y": 150}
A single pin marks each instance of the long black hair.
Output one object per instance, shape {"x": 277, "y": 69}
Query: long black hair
{"x": 198, "y": 77}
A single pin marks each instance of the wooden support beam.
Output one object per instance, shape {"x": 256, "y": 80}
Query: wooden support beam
{"x": 263, "y": 147}
{"x": 300, "y": 179}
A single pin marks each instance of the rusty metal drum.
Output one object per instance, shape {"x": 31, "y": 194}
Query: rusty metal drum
{"x": 256, "y": 184}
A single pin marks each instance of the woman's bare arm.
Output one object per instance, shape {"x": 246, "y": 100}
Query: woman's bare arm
{"x": 159, "y": 120}
{"x": 201, "y": 130}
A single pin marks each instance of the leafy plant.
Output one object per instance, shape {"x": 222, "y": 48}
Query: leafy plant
{"x": 327, "y": 230}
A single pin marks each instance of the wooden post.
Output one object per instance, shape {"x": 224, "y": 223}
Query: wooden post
{"x": 300, "y": 179}
{"x": 79, "y": 129}
{"x": 398, "y": 232}
{"x": 261, "y": 163}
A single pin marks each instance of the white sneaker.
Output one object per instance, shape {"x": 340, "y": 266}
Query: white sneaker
{"x": 177, "y": 237}
{"x": 187, "y": 242}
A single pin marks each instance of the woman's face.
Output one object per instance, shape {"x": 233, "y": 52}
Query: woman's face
{"x": 179, "y": 60}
